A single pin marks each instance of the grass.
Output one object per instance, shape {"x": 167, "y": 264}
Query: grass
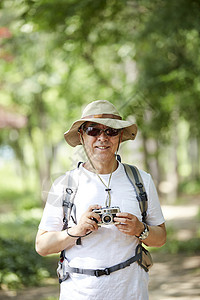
{"x": 174, "y": 246}
{"x": 190, "y": 187}
{"x": 20, "y": 214}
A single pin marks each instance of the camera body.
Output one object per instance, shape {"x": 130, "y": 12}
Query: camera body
{"x": 107, "y": 215}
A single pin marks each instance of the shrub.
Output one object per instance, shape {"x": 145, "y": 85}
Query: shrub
{"x": 20, "y": 265}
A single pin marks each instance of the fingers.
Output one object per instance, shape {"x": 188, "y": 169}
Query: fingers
{"x": 95, "y": 206}
{"x": 126, "y": 215}
{"x": 124, "y": 228}
{"x": 88, "y": 221}
{"x": 90, "y": 225}
{"x": 91, "y": 217}
{"x": 127, "y": 223}
{"x": 125, "y": 218}
{"x": 84, "y": 226}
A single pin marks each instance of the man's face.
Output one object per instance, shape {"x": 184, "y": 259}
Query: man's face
{"x": 101, "y": 147}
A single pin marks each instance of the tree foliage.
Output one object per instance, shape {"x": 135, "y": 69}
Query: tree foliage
{"x": 141, "y": 55}
{"x": 167, "y": 59}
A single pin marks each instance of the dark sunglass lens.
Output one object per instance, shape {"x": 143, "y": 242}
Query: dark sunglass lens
{"x": 92, "y": 131}
{"x": 112, "y": 132}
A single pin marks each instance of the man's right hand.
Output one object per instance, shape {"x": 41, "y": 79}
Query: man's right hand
{"x": 87, "y": 222}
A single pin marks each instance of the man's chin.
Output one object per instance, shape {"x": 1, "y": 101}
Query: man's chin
{"x": 102, "y": 157}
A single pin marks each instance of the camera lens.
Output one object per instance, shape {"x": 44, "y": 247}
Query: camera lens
{"x": 106, "y": 219}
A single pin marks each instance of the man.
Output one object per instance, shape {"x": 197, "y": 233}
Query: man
{"x": 102, "y": 182}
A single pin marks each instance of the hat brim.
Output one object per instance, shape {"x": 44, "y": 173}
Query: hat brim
{"x": 129, "y": 129}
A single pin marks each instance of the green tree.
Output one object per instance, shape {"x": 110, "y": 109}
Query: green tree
{"x": 142, "y": 55}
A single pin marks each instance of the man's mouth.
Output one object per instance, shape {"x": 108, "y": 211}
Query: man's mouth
{"x": 102, "y": 147}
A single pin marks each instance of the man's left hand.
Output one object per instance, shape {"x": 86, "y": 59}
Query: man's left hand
{"x": 128, "y": 224}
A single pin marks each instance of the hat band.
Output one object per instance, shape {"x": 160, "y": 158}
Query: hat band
{"x": 103, "y": 116}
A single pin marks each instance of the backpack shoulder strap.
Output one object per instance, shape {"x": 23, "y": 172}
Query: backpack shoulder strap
{"x": 69, "y": 194}
{"x": 135, "y": 178}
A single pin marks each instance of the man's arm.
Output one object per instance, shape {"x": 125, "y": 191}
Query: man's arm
{"x": 157, "y": 236}
{"x": 49, "y": 242}
{"x": 129, "y": 224}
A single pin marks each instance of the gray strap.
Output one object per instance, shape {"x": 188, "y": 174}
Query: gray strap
{"x": 68, "y": 202}
{"x": 70, "y": 191}
{"x": 135, "y": 179}
{"x": 106, "y": 271}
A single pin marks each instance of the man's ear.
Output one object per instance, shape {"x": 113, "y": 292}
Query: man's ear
{"x": 121, "y": 135}
{"x": 80, "y": 134}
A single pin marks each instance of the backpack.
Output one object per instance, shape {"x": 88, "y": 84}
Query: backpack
{"x": 135, "y": 179}
{"x": 142, "y": 255}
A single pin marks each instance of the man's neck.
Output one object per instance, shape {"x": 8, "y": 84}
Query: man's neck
{"x": 101, "y": 167}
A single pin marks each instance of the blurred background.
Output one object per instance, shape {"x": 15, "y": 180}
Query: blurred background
{"x": 56, "y": 56}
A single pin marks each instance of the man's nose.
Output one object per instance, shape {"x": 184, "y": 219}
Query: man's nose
{"x": 103, "y": 135}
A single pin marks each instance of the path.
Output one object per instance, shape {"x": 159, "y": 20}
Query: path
{"x": 177, "y": 276}
{"x": 172, "y": 276}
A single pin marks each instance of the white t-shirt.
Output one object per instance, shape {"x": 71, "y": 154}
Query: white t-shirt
{"x": 108, "y": 246}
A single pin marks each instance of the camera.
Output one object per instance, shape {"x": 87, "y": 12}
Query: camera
{"x": 107, "y": 215}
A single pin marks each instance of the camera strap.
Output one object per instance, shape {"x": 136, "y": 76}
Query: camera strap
{"x": 107, "y": 186}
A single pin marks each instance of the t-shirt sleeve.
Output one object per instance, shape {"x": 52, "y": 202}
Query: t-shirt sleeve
{"x": 154, "y": 211}
{"x": 52, "y": 218}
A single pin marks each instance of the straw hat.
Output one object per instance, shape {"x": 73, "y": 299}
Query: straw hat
{"x": 102, "y": 112}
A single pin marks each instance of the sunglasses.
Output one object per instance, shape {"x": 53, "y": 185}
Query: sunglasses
{"x": 94, "y": 131}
